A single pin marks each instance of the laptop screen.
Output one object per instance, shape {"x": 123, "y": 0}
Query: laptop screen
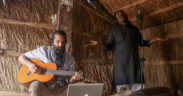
{"x": 85, "y": 89}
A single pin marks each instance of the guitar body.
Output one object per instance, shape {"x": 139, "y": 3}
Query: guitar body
{"x": 24, "y": 76}
{"x": 47, "y": 73}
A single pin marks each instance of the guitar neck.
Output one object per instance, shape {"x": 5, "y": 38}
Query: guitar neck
{"x": 60, "y": 72}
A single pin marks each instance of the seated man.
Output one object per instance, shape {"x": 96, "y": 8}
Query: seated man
{"x": 56, "y": 54}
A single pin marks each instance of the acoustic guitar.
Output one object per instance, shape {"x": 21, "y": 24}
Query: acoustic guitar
{"x": 47, "y": 73}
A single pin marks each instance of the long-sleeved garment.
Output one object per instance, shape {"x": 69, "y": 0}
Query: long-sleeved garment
{"x": 125, "y": 41}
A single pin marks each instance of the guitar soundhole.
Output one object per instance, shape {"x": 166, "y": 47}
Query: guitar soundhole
{"x": 43, "y": 71}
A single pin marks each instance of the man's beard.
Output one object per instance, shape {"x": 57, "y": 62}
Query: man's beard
{"x": 60, "y": 56}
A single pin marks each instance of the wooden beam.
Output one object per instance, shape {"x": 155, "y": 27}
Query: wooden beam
{"x": 60, "y": 7}
{"x": 94, "y": 12}
{"x": 168, "y": 62}
{"x": 87, "y": 34}
{"x": 172, "y": 36}
{"x": 162, "y": 10}
{"x": 10, "y": 53}
{"x": 30, "y": 24}
{"x": 130, "y": 5}
{"x": 94, "y": 61}
{"x": 9, "y": 93}
{"x": 165, "y": 22}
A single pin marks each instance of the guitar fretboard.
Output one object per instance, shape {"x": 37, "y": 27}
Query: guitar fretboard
{"x": 60, "y": 72}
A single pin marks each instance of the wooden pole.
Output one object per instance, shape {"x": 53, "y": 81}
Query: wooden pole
{"x": 59, "y": 15}
{"x": 30, "y": 24}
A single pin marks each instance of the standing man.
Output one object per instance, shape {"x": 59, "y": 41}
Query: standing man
{"x": 56, "y": 54}
{"x": 125, "y": 38}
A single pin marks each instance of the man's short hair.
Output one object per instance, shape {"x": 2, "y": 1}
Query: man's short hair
{"x": 60, "y": 32}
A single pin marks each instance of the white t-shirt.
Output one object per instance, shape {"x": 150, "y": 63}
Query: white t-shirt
{"x": 46, "y": 55}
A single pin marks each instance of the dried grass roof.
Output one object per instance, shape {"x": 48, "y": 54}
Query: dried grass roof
{"x": 155, "y": 11}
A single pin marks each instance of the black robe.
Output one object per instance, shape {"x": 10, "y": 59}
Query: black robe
{"x": 125, "y": 41}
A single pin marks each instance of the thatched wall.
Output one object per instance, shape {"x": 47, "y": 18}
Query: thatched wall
{"x": 88, "y": 26}
{"x": 33, "y": 10}
{"x": 162, "y": 10}
{"x": 19, "y": 34}
{"x": 15, "y": 40}
{"x": 164, "y": 60}
{"x": 22, "y": 38}
{"x": 24, "y": 26}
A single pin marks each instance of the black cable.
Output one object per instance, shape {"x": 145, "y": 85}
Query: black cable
{"x": 140, "y": 19}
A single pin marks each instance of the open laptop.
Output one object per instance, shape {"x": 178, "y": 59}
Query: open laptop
{"x": 85, "y": 89}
